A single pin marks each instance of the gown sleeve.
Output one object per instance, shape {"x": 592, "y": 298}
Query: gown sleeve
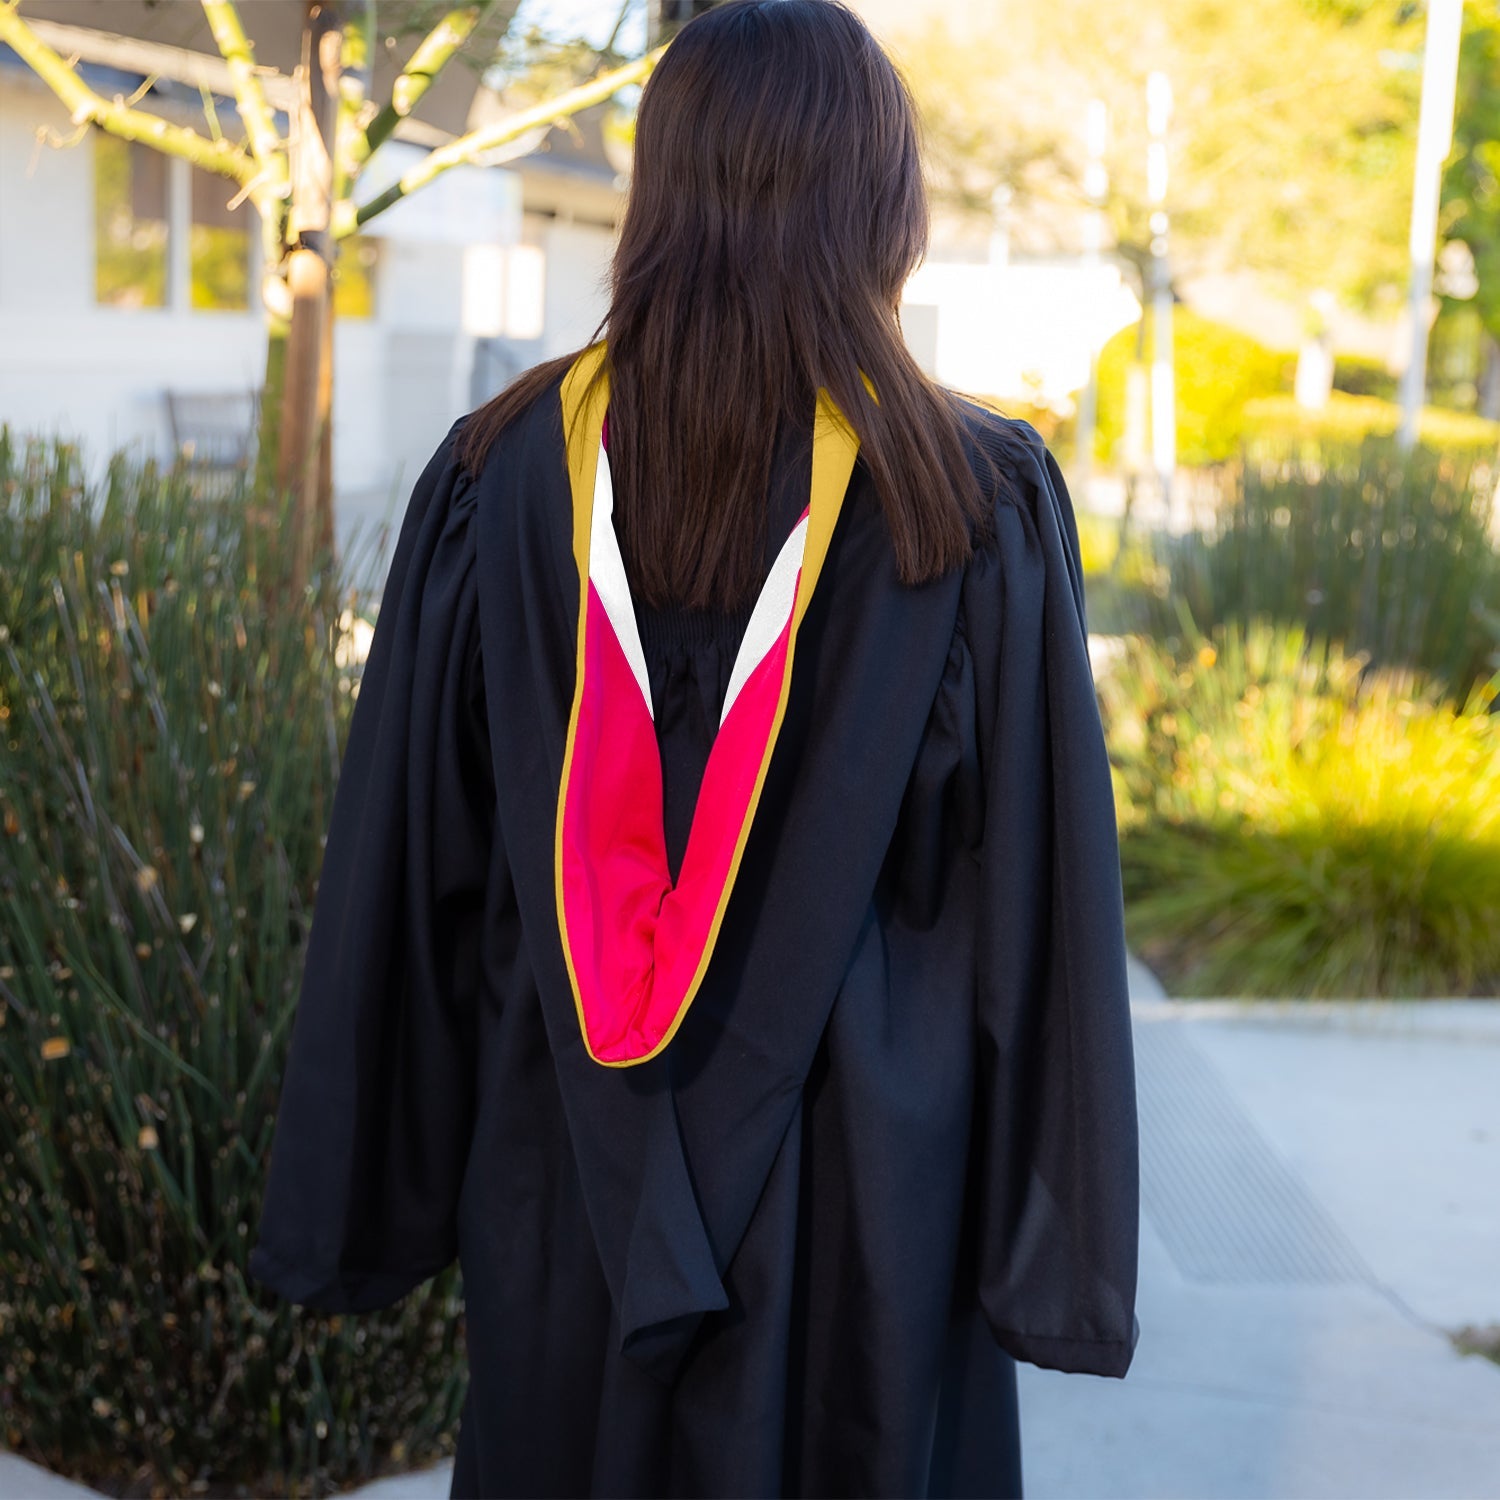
{"x": 1058, "y": 1189}
{"x": 377, "y": 1098}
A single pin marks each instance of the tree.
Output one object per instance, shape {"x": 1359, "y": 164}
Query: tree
{"x": 302, "y": 185}
{"x": 1291, "y": 141}
{"x": 1470, "y": 212}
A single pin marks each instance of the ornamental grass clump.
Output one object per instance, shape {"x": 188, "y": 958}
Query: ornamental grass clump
{"x": 1296, "y": 824}
{"x": 170, "y": 731}
{"x": 1392, "y": 553}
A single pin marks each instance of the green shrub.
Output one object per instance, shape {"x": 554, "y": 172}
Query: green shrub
{"x": 1217, "y": 371}
{"x": 1294, "y": 824}
{"x": 1347, "y": 419}
{"x": 1358, "y": 375}
{"x": 1455, "y": 355}
{"x": 1098, "y": 542}
{"x": 168, "y": 751}
{"x": 1121, "y": 587}
{"x": 1389, "y": 553}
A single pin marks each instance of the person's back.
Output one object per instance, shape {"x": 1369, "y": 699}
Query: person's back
{"x": 719, "y": 947}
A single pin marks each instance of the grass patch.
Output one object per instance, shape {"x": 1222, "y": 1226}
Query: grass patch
{"x": 1294, "y": 824}
{"x": 1391, "y": 553}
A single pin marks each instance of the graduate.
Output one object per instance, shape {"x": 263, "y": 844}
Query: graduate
{"x": 719, "y": 946}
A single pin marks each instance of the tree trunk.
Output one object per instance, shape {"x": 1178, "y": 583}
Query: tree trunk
{"x": 1134, "y": 442}
{"x": 302, "y": 467}
{"x": 273, "y": 388}
{"x": 323, "y": 542}
{"x": 323, "y": 532}
{"x": 1489, "y": 377}
{"x": 297, "y": 468}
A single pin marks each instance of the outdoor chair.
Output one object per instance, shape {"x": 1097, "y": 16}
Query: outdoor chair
{"x": 213, "y": 437}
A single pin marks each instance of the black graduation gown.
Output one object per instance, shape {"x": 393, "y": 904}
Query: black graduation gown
{"x": 892, "y": 1147}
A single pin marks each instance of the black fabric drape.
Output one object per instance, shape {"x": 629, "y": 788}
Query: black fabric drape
{"x": 377, "y": 1101}
{"x": 891, "y": 1149}
{"x": 1058, "y": 1172}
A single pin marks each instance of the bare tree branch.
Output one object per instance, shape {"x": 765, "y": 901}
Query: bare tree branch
{"x": 85, "y": 107}
{"x": 433, "y": 54}
{"x": 468, "y": 147}
{"x": 355, "y": 63}
{"x": 250, "y": 97}
{"x": 620, "y": 19}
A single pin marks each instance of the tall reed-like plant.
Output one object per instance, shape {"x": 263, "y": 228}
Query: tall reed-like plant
{"x": 170, "y": 733}
{"x": 1390, "y": 553}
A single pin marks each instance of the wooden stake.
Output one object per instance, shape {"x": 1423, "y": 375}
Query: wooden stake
{"x": 299, "y": 466}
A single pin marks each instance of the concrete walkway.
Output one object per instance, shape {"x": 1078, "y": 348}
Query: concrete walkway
{"x": 1320, "y": 1206}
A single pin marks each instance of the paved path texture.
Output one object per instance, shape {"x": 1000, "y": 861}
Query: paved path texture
{"x": 1320, "y": 1191}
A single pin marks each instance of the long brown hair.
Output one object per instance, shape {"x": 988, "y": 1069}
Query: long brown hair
{"x": 776, "y": 209}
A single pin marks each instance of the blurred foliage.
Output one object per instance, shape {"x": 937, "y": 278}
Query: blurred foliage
{"x": 355, "y": 277}
{"x": 1302, "y": 176}
{"x": 1124, "y": 584}
{"x": 543, "y": 52}
{"x": 1349, "y": 419}
{"x": 1098, "y": 542}
{"x": 1268, "y": 173}
{"x": 1218, "y": 370}
{"x": 534, "y": 63}
{"x": 992, "y": 113}
{"x": 401, "y": 24}
{"x": 131, "y": 246}
{"x": 1357, "y": 375}
{"x": 1382, "y": 551}
{"x": 220, "y": 260}
{"x": 1455, "y": 356}
{"x": 1471, "y": 181}
{"x": 130, "y": 253}
{"x": 1294, "y": 825}
{"x": 169, "y": 746}
{"x": 1455, "y": 363}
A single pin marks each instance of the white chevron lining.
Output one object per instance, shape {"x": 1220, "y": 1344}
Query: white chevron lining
{"x": 771, "y": 612}
{"x": 607, "y": 573}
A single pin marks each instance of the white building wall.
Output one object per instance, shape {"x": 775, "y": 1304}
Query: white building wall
{"x": 97, "y": 375}
{"x": 1022, "y": 331}
{"x": 427, "y": 353}
{"x": 577, "y": 286}
{"x": 68, "y": 366}
{"x": 46, "y": 207}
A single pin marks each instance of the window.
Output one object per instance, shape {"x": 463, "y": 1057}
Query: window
{"x": 219, "y": 244}
{"x": 354, "y": 277}
{"x": 164, "y": 234}
{"x": 130, "y": 223}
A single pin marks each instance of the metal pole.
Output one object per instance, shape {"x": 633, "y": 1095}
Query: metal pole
{"x": 1434, "y": 139}
{"x": 1000, "y": 201}
{"x": 179, "y": 234}
{"x": 1095, "y": 186}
